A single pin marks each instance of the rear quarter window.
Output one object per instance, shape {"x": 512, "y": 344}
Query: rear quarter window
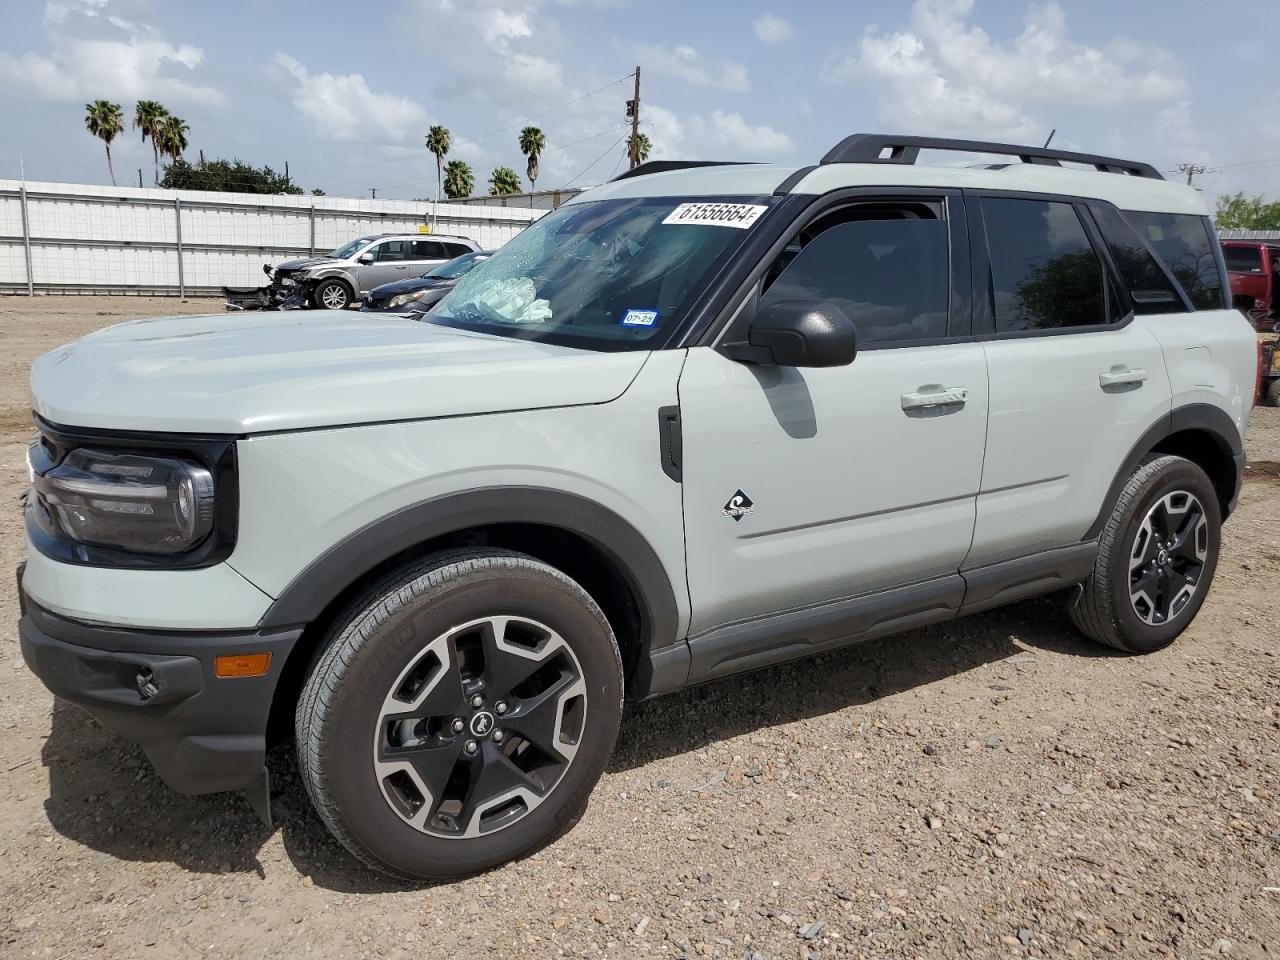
{"x": 1187, "y": 246}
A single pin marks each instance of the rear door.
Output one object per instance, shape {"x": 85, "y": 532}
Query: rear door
{"x": 1074, "y": 381}
{"x": 806, "y": 486}
{"x": 423, "y": 256}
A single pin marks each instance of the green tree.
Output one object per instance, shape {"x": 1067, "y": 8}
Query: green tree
{"x": 459, "y": 182}
{"x": 105, "y": 120}
{"x": 228, "y": 176}
{"x": 317, "y": 192}
{"x": 171, "y": 137}
{"x": 643, "y": 147}
{"x": 532, "y": 143}
{"x": 147, "y": 117}
{"x": 1250, "y": 213}
{"x": 503, "y": 182}
{"x": 439, "y": 142}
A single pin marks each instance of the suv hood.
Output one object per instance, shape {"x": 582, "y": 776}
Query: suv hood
{"x": 305, "y": 263}
{"x": 255, "y": 373}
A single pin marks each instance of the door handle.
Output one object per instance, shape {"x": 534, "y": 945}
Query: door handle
{"x": 1121, "y": 375}
{"x": 933, "y": 396}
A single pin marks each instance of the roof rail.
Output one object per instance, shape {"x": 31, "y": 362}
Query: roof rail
{"x": 872, "y": 147}
{"x": 662, "y": 166}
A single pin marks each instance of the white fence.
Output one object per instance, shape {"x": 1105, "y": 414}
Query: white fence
{"x": 78, "y": 238}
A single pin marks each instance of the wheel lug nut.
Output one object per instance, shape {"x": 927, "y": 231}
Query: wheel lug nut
{"x": 500, "y": 707}
{"x": 458, "y": 725}
{"x": 470, "y": 746}
{"x": 498, "y": 736}
{"x": 477, "y": 701}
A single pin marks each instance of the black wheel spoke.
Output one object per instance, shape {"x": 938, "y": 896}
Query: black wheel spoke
{"x": 493, "y": 775}
{"x": 1184, "y": 541}
{"x": 505, "y": 669}
{"x": 446, "y": 699}
{"x": 434, "y": 765}
{"x": 1148, "y": 582}
{"x": 535, "y": 719}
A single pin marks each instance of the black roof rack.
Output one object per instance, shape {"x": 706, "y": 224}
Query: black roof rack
{"x": 872, "y": 147}
{"x": 662, "y": 166}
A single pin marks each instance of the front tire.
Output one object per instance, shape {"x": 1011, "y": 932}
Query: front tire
{"x": 1156, "y": 558}
{"x": 332, "y": 295}
{"x": 461, "y": 714}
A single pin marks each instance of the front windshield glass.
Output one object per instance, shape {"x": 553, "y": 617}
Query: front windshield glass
{"x": 618, "y": 274}
{"x": 452, "y": 269}
{"x": 348, "y": 249}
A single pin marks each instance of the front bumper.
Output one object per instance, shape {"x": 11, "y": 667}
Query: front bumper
{"x": 157, "y": 688}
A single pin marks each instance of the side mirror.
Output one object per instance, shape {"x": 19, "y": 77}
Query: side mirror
{"x": 365, "y": 258}
{"x": 798, "y": 333}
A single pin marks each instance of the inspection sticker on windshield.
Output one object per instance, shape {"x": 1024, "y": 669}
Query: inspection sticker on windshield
{"x": 740, "y": 215}
{"x": 639, "y": 318}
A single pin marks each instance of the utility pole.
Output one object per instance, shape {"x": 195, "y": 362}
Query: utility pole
{"x": 633, "y": 111}
{"x": 1049, "y": 138}
{"x": 1191, "y": 170}
{"x": 373, "y": 193}
{"x": 139, "y": 176}
{"x": 286, "y": 173}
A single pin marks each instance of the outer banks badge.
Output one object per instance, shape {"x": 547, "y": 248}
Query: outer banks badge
{"x": 739, "y": 506}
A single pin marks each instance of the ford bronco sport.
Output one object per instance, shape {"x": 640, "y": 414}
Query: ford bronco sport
{"x": 698, "y": 420}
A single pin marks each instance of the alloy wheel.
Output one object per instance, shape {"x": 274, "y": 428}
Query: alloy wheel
{"x": 1168, "y": 557}
{"x": 334, "y": 297}
{"x": 480, "y": 726}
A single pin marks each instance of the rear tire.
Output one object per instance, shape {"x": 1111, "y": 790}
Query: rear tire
{"x": 1271, "y": 395}
{"x": 332, "y": 295}
{"x": 1156, "y": 558}
{"x": 460, "y": 715}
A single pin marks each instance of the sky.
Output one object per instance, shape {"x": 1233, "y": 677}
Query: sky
{"x": 345, "y": 92}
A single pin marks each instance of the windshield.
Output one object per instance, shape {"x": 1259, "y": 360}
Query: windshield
{"x": 606, "y": 275}
{"x": 345, "y": 251}
{"x": 452, "y": 269}
{"x": 1243, "y": 259}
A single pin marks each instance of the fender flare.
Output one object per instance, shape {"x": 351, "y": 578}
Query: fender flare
{"x": 1195, "y": 416}
{"x": 326, "y": 577}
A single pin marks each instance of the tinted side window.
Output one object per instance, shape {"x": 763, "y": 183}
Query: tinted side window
{"x": 1045, "y": 274}
{"x": 1243, "y": 259}
{"x": 455, "y": 250}
{"x": 425, "y": 250}
{"x": 390, "y": 250}
{"x": 1146, "y": 281}
{"x": 890, "y": 273}
{"x": 1184, "y": 243}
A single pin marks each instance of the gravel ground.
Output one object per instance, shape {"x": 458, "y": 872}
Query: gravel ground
{"x": 995, "y": 786}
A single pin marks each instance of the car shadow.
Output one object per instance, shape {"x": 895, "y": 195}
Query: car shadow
{"x": 103, "y": 793}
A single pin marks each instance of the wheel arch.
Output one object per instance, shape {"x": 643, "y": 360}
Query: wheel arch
{"x": 588, "y": 542}
{"x": 1199, "y": 432}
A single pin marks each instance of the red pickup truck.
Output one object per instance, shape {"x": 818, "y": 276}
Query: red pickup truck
{"x": 1254, "y": 269}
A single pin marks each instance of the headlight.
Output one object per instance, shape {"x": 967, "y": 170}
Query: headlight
{"x": 406, "y": 298}
{"x": 143, "y": 504}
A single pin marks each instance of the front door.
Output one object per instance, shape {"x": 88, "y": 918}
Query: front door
{"x": 388, "y": 264}
{"x": 804, "y": 486}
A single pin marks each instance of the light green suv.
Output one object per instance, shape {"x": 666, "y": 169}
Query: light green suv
{"x": 698, "y": 420}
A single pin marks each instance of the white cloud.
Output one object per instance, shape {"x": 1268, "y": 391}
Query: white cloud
{"x": 117, "y": 59}
{"x": 941, "y": 75}
{"x": 717, "y": 136}
{"x": 772, "y": 29}
{"x": 684, "y": 62}
{"x": 342, "y": 107}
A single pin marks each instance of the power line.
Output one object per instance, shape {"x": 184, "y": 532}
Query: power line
{"x": 598, "y": 159}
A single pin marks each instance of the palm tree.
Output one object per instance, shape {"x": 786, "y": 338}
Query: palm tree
{"x": 503, "y": 182}
{"x": 147, "y": 117}
{"x": 438, "y": 142}
{"x": 104, "y": 120}
{"x": 458, "y": 180}
{"x": 643, "y": 147}
{"x": 532, "y": 143}
{"x": 172, "y": 137}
